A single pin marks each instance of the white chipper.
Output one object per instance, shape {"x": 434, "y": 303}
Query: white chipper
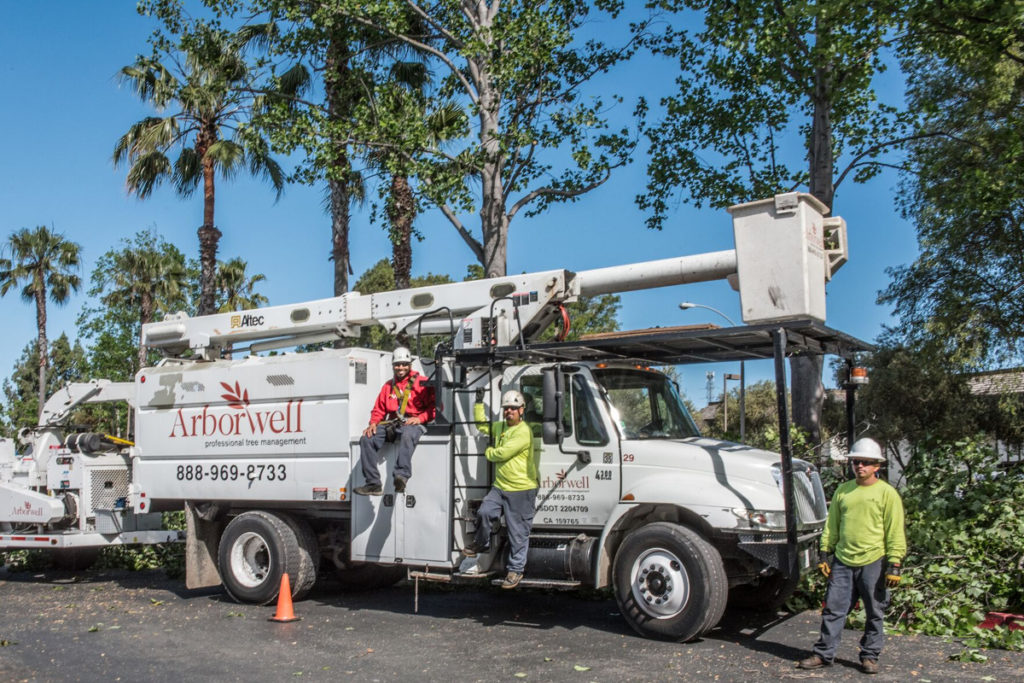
{"x": 260, "y": 449}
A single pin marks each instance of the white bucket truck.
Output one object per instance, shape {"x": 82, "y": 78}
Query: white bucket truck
{"x": 262, "y": 451}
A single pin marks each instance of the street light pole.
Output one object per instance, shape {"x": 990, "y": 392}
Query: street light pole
{"x": 686, "y": 305}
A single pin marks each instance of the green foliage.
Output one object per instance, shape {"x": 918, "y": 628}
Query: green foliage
{"x": 962, "y": 186}
{"x": 756, "y": 76}
{"x": 920, "y": 396}
{"x": 142, "y": 279}
{"x": 20, "y": 408}
{"x": 236, "y": 289}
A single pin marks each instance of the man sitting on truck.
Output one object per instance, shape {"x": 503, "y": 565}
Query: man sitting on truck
{"x": 404, "y": 405}
{"x": 515, "y": 484}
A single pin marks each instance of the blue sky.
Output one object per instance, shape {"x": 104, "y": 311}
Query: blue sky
{"x": 64, "y": 110}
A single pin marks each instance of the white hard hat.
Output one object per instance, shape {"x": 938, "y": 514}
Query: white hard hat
{"x": 512, "y": 399}
{"x": 401, "y": 355}
{"x": 866, "y": 449}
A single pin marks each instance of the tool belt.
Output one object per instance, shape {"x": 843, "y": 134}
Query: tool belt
{"x": 391, "y": 429}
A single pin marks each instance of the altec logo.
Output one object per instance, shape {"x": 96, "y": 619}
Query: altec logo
{"x": 242, "y": 421}
{"x": 247, "y": 320}
{"x": 27, "y": 511}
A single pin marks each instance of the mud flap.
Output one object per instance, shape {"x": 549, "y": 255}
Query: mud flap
{"x": 201, "y": 540}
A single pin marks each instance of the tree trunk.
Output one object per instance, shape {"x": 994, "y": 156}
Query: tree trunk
{"x": 145, "y": 317}
{"x": 401, "y": 212}
{"x": 339, "y": 172}
{"x": 808, "y": 391}
{"x": 40, "y": 293}
{"x": 209, "y": 236}
{"x": 493, "y": 217}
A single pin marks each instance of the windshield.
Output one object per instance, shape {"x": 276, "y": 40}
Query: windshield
{"x": 647, "y": 404}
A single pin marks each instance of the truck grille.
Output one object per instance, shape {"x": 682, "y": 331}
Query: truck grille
{"x": 808, "y": 494}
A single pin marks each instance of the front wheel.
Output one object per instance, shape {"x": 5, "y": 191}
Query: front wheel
{"x": 669, "y": 582}
{"x": 256, "y": 550}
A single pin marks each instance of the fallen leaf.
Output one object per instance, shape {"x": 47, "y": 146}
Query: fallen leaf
{"x": 548, "y": 659}
{"x": 93, "y": 629}
{"x": 579, "y": 667}
{"x": 6, "y": 643}
{"x": 519, "y": 674}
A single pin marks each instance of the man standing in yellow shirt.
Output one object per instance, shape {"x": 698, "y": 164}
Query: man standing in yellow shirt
{"x": 862, "y": 547}
{"x": 515, "y": 485}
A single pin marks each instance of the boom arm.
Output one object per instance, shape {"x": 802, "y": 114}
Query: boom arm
{"x": 785, "y": 250}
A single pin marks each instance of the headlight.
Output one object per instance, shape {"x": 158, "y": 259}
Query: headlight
{"x": 760, "y": 519}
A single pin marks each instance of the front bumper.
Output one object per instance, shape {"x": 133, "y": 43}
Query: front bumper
{"x": 772, "y": 550}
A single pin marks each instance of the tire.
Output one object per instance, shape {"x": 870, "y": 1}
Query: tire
{"x": 256, "y": 550}
{"x": 365, "y": 577}
{"x": 765, "y": 595}
{"x": 669, "y": 582}
{"x": 309, "y": 551}
{"x": 74, "y": 559}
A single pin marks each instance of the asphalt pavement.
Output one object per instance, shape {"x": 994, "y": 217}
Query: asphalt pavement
{"x": 115, "y": 625}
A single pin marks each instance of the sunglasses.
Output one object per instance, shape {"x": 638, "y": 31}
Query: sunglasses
{"x": 863, "y": 463}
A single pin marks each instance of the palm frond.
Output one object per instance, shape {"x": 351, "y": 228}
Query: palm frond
{"x": 147, "y": 172}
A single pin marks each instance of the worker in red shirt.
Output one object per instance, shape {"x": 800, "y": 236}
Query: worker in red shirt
{"x": 405, "y": 404}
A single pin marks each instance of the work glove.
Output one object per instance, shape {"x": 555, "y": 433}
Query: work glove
{"x": 892, "y": 575}
{"x": 479, "y": 395}
{"x": 825, "y": 561}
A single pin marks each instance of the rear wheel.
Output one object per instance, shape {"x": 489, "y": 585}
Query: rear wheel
{"x": 257, "y": 548}
{"x": 669, "y": 582}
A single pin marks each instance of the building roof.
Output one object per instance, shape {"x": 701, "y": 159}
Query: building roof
{"x": 997, "y": 382}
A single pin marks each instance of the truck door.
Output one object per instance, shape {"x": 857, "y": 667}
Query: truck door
{"x": 573, "y": 493}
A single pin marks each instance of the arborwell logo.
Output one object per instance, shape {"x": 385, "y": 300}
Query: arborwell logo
{"x": 563, "y": 481}
{"x": 26, "y": 511}
{"x": 243, "y": 420}
{"x": 247, "y": 320}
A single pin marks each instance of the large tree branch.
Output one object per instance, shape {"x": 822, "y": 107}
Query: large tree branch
{"x": 556, "y": 192}
{"x": 875, "y": 149}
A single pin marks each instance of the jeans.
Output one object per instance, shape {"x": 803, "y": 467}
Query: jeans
{"x": 518, "y": 507}
{"x": 369, "y": 448}
{"x": 845, "y": 585}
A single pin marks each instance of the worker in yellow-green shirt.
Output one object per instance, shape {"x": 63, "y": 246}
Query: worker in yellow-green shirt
{"x": 515, "y": 485}
{"x": 862, "y": 549}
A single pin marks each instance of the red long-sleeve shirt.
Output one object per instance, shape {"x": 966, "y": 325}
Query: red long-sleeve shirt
{"x": 389, "y": 401}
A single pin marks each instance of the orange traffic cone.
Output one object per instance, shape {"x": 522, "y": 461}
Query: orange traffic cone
{"x": 284, "y": 602}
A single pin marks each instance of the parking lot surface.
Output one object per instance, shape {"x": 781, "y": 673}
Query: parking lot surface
{"x": 115, "y": 625}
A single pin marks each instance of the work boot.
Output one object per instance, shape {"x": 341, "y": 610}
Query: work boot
{"x": 812, "y": 662}
{"x": 369, "y": 490}
{"x": 400, "y": 484}
{"x": 512, "y": 580}
{"x": 472, "y": 549}
{"x": 869, "y": 666}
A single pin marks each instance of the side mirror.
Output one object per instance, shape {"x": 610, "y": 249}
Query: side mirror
{"x": 554, "y": 395}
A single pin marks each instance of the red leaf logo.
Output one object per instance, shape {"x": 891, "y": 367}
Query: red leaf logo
{"x": 28, "y": 505}
{"x": 235, "y": 397}
{"x": 561, "y": 475}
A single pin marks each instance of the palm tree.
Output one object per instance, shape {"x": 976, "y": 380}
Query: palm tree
{"x": 236, "y": 289}
{"x": 145, "y": 277}
{"x": 47, "y": 264}
{"x": 207, "y": 86}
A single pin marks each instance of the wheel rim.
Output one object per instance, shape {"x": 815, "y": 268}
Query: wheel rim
{"x": 659, "y": 583}
{"x": 250, "y": 560}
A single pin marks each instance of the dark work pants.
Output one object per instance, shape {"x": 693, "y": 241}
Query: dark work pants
{"x": 369, "y": 449}
{"x": 518, "y": 509}
{"x": 844, "y": 587}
